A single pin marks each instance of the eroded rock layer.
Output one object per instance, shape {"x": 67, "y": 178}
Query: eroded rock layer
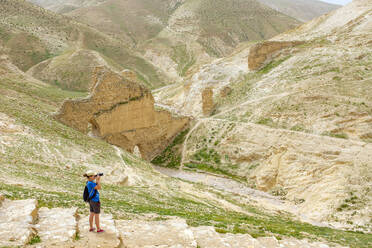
{"x": 208, "y": 104}
{"x": 260, "y": 53}
{"x": 122, "y": 112}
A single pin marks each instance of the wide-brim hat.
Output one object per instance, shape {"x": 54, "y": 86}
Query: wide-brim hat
{"x": 90, "y": 173}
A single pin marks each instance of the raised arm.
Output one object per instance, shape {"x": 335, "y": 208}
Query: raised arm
{"x": 98, "y": 181}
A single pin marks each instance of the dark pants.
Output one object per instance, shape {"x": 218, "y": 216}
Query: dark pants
{"x": 95, "y": 207}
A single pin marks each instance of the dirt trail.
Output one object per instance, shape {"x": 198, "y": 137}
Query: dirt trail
{"x": 262, "y": 199}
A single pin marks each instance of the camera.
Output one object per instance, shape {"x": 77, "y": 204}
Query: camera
{"x": 100, "y": 174}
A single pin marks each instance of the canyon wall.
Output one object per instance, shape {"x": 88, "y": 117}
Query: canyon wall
{"x": 122, "y": 112}
{"x": 260, "y": 53}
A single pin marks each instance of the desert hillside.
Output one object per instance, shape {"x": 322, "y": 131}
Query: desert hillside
{"x": 302, "y": 10}
{"x": 30, "y": 35}
{"x": 42, "y": 164}
{"x": 174, "y": 36}
{"x": 291, "y": 116}
{"x": 213, "y": 123}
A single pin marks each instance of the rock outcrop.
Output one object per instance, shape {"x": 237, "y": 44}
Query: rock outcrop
{"x": 122, "y": 113}
{"x": 261, "y": 53}
{"x": 16, "y": 217}
{"x": 130, "y": 75}
{"x": 170, "y": 233}
{"x": 208, "y": 104}
{"x": 51, "y": 229}
{"x": 225, "y": 91}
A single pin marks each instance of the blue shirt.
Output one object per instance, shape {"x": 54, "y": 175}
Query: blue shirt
{"x": 91, "y": 190}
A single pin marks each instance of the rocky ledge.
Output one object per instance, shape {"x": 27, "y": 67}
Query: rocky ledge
{"x": 261, "y": 53}
{"x": 122, "y": 112}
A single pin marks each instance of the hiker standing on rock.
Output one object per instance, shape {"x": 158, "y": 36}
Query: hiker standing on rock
{"x": 91, "y": 195}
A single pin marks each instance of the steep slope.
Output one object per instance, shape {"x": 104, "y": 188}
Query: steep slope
{"x": 44, "y": 160}
{"x": 302, "y": 10}
{"x": 30, "y": 34}
{"x": 132, "y": 21}
{"x": 72, "y": 70}
{"x": 63, "y": 6}
{"x": 271, "y": 128}
{"x": 175, "y": 35}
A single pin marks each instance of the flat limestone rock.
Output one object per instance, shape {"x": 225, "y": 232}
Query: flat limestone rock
{"x": 57, "y": 224}
{"x": 171, "y": 233}
{"x": 293, "y": 243}
{"x": 268, "y": 242}
{"x": 107, "y": 239}
{"x": 206, "y": 236}
{"x": 241, "y": 240}
{"x": 16, "y": 218}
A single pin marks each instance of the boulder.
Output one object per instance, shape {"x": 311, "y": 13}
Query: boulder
{"x": 16, "y": 219}
{"x": 261, "y": 53}
{"x": 225, "y": 91}
{"x": 122, "y": 112}
{"x": 170, "y": 233}
{"x": 57, "y": 225}
{"x": 206, "y": 236}
{"x": 241, "y": 241}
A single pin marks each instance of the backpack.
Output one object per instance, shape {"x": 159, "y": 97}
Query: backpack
{"x": 86, "y": 197}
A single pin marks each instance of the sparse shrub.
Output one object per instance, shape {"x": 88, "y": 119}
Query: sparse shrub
{"x": 170, "y": 157}
{"x": 267, "y": 68}
{"x": 298, "y": 128}
{"x": 336, "y": 135}
{"x": 207, "y": 155}
{"x": 35, "y": 239}
{"x": 220, "y": 230}
{"x": 77, "y": 236}
{"x": 266, "y": 122}
{"x": 337, "y": 78}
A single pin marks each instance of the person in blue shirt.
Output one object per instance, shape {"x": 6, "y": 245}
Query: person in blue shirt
{"x": 93, "y": 185}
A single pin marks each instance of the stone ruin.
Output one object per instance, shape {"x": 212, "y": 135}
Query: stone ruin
{"x": 207, "y": 100}
{"x": 122, "y": 112}
{"x": 261, "y": 53}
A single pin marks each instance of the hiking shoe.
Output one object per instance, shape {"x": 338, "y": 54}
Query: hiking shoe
{"x": 100, "y": 230}
{"x": 92, "y": 230}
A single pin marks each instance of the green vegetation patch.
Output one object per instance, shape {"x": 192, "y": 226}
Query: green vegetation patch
{"x": 171, "y": 156}
{"x": 267, "y": 68}
{"x": 35, "y": 239}
{"x": 336, "y": 135}
{"x": 183, "y": 58}
{"x": 207, "y": 155}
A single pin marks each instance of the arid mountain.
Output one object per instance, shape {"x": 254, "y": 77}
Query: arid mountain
{"x": 42, "y": 162}
{"x": 282, "y": 127}
{"x": 30, "y": 34}
{"x": 175, "y": 35}
{"x": 64, "y": 6}
{"x": 198, "y": 31}
{"x": 302, "y": 10}
{"x": 299, "y": 125}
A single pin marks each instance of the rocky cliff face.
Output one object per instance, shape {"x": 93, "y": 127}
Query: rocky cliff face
{"x": 208, "y": 105}
{"x": 122, "y": 112}
{"x": 261, "y": 53}
{"x": 272, "y": 128}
